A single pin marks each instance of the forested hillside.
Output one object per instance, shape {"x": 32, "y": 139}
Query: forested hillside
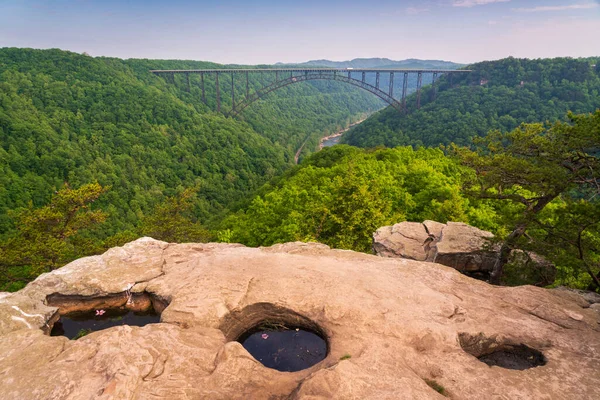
{"x": 343, "y": 194}
{"x": 536, "y": 189}
{"x": 70, "y": 118}
{"x": 496, "y": 95}
{"x": 95, "y": 152}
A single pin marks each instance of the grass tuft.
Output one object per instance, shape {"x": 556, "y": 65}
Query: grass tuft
{"x": 435, "y": 386}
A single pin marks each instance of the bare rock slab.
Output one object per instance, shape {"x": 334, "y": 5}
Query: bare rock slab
{"x": 392, "y": 326}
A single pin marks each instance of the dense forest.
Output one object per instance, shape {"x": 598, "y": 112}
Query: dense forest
{"x": 66, "y": 117}
{"x": 341, "y": 195}
{"x": 95, "y": 152}
{"x": 535, "y": 187}
{"x": 68, "y": 120}
{"x": 495, "y": 95}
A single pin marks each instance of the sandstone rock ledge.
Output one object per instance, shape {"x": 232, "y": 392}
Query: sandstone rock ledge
{"x": 400, "y": 320}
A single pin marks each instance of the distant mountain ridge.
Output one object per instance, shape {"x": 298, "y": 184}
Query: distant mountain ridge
{"x": 411, "y": 63}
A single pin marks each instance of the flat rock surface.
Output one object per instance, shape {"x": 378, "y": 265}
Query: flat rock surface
{"x": 398, "y": 320}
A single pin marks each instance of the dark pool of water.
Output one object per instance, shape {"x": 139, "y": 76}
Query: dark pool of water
{"x": 76, "y": 325}
{"x": 518, "y": 358}
{"x": 286, "y": 350}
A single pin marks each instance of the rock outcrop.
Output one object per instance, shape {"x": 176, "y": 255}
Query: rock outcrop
{"x": 392, "y": 326}
{"x": 463, "y": 247}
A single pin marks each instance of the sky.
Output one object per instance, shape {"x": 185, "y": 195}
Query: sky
{"x": 268, "y": 31}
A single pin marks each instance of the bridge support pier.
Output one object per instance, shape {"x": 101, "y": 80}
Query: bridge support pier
{"x": 232, "y": 93}
{"x": 218, "y": 92}
{"x": 377, "y": 80}
{"x": 391, "y": 91}
{"x": 202, "y": 84}
{"x": 404, "y": 90}
{"x": 363, "y": 77}
{"x": 187, "y": 78}
{"x": 247, "y": 85}
{"x": 419, "y": 84}
{"x": 434, "y": 86}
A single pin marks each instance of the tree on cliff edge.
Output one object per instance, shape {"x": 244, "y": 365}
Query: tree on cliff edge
{"x": 533, "y": 166}
{"x": 48, "y": 237}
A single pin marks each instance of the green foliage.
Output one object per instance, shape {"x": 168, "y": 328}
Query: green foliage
{"x": 345, "y": 357}
{"x": 173, "y": 220}
{"x": 517, "y": 91}
{"x": 225, "y": 236}
{"x": 435, "y": 386}
{"x": 341, "y": 195}
{"x": 82, "y": 333}
{"x": 570, "y": 235}
{"x": 47, "y": 237}
{"x": 65, "y": 117}
{"x": 535, "y": 165}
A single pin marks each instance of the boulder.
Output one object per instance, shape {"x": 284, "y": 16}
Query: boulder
{"x": 585, "y": 295}
{"x": 396, "y": 328}
{"x": 465, "y": 248}
{"x": 406, "y": 240}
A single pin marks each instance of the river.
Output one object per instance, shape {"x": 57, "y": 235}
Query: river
{"x": 334, "y": 139}
{"x": 328, "y": 141}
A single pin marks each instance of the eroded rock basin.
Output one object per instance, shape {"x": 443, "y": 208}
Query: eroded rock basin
{"x": 79, "y": 324}
{"x": 284, "y": 348}
{"x": 516, "y": 357}
{"x": 390, "y": 326}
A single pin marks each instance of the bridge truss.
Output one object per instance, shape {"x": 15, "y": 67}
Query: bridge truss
{"x": 362, "y": 78}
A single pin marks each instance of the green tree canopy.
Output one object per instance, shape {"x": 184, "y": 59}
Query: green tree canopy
{"x": 532, "y": 166}
{"x": 47, "y": 237}
{"x": 514, "y": 91}
{"x": 173, "y": 220}
{"x": 341, "y": 195}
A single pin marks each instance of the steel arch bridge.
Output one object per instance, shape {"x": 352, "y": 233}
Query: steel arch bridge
{"x": 287, "y": 76}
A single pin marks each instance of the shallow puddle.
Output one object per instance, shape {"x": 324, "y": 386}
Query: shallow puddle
{"x": 77, "y": 325}
{"x": 288, "y": 350}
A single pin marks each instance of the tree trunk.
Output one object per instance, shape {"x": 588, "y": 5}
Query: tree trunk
{"x": 504, "y": 253}
{"x": 520, "y": 229}
{"x": 595, "y": 285}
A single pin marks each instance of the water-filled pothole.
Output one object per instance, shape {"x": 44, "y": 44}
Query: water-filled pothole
{"x": 79, "y": 324}
{"x": 284, "y": 348}
{"x": 504, "y": 354}
{"x": 78, "y": 316}
{"x": 276, "y": 336}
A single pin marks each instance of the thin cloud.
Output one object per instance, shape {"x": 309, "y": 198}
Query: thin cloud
{"x": 557, "y": 8}
{"x": 415, "y": 10}
{"x": 473, "y": 3}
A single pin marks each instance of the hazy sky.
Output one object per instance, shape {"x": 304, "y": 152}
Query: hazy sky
{"x": 267, "y": 31}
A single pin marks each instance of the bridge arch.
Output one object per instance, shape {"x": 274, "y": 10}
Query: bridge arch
{"x": 239, "y": 107}
{"x": 307, "y": 74}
